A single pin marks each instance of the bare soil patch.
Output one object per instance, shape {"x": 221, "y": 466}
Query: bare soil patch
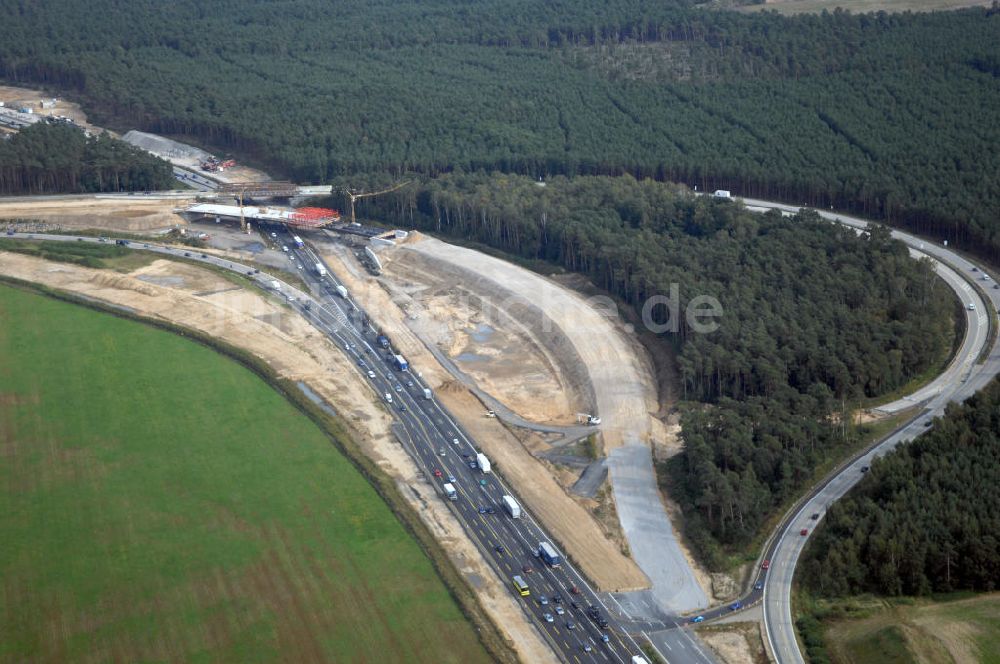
{"x": 136, "y": 214}
{"x": 570, "y": 522}
{"x": 14, "y": 97}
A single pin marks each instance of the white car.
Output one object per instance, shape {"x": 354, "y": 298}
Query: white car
{"x": 284, "y": 248}
{"x": 454, "y": 441}
{"x": 972, "y": 306}
{"x": 371, "y": 374}
{"x": 548, "y": 617}
{"x": 559, "y": 610}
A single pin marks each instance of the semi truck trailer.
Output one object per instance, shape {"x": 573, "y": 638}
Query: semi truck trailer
{"x": 512, "y": 507}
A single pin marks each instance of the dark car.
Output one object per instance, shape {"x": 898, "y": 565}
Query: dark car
{"x": 499, "y": 548}
{"x": 574, "y": 604}
{"x": 735, "y": 606}
{"x": 815, "y": 516}
{"x": 527, "y": 569}
{"x": 491, "y": 510}
{"x": 759, "y": 585}
{"x": 557, "y": 598}
{"x": 570, "y": 624}
{"x": 188, "y": 254}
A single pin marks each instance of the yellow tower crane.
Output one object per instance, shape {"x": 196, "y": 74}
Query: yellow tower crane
{"x": 354, "y": 195}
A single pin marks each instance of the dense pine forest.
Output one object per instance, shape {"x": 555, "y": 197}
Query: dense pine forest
{"x": 49, "y": 158}
{"x": 892, "y": 116}
{"x": 815, "y": 317}
{"x": 925, "y": 518}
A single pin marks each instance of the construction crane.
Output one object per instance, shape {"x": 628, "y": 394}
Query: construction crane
{"x": 353, "y": 195}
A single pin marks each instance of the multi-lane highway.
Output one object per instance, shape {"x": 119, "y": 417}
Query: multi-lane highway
{"x": 438, "y": 445}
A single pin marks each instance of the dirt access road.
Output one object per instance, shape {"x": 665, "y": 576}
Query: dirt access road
{"x": 203, "y": 300}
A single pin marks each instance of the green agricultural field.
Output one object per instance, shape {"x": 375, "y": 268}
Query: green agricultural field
{"x": 163, "y": 503}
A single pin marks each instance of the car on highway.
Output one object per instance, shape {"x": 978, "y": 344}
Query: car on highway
{"x": 735, "y": 606}
{"x": 759, "y": 585}
{"x": 499, "y": 548}
{"x": 574, "y": 590}
{"x": 482, "y": 510}
{"x": 473, "y": 464}
{"x": 972, "y": 306}
{"x": 804, "y": 532}
{"x": 766, "y": 564}
{"x": 402, "y": 406}
{"x": 559, "y": 610}
{"x": 186, "y": 253}
{"x": 284, "y": 248}
{"x": 587, "y": 647}
{"x": 437, "y": 472}
{"x": 557, "y": 598}
{"x": 409, "y": 383}
{"x": 605, "y": 638}
{"x": 548, "y": 617}
{"x": 527, "y": 569}
{"x": 814, "y": 516}
{"x": 570, "y": 624}
{"x": 451, "y": 478}
{"x": 698, "y": 619}
{"x": 399, "y": 388}
{"x": 491, "y": 510}
{"x": 441, "y": 452}
{"x": 543, "y": 600}
{"x": 454, "y": 441}
{"x": 864, "y": 469}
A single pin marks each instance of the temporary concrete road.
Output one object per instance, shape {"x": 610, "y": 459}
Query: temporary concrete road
{"x": 962, "y": 379}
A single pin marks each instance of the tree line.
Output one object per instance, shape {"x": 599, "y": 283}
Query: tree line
{"x": 925, "y": 520}
{"x": 816, "y": 317}
{"x": 883, "y": 114}
{"x": 58, "y": 158}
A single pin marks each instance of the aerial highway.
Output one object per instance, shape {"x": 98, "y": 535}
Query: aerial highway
{"x": 442, "y": 450}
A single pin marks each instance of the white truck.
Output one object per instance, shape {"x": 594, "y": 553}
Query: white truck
{"x": 275, "y": 285}
{"x": 427, "y": 393}
{"x": 484, "y": 463}
{"x": 320, "y": 269}
{"x": 342, "y": 291}
{"x": 449, "y": 490}
{"x": 512, "y": 507}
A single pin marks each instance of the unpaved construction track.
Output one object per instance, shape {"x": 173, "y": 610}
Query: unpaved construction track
{"x": 604, "y": 368}
{"x": 571, "y": 524}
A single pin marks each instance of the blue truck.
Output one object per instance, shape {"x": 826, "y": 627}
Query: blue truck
{"x": 400, "y": 363}
{"x": 548, "y": 553}
{"x": 382, "y": 340}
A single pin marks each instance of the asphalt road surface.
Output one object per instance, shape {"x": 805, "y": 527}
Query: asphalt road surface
{"x": 961, "y": 379}
{"x": 436, "y": 443}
